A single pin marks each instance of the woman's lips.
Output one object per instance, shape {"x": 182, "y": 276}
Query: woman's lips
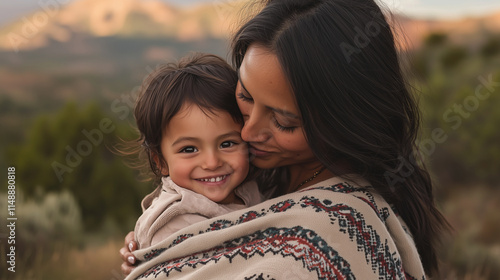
{"x": 258, "y": 152}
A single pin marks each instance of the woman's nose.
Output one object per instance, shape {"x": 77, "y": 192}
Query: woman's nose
{"x": 211, "y": 160}
{"x": 256, "y": 127}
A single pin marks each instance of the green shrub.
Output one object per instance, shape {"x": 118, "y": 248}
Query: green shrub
{"x": 435, "y": 39}
{"x": 54, "y": 217}
{"x": 452, "y": 56}
{"x": 491, "y": 47}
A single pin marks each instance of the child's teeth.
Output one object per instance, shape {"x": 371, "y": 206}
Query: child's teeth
{"x": 215, "y": 179}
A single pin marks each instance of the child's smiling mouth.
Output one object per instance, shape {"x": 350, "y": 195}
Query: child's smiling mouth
{"x": 213, "y": 179}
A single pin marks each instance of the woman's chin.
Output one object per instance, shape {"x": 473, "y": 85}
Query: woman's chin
{"x": 265, "y": 163}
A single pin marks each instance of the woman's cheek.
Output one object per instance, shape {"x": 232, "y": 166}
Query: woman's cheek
{"x": 244, "y": 108}
{"x": 295, "y": 142}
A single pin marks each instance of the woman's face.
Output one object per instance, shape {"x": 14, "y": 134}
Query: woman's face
{"x": 273, "y": 126}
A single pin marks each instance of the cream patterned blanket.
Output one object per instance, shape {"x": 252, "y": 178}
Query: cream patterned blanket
{"x": 336, "y": 229}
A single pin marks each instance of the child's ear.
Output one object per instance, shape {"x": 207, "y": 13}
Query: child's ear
{"x": 162, "y": 166}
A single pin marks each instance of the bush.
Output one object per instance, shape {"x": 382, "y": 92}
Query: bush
{"x": 60, "y": 155}
{"x": 435, "y": 39}
{"x": 54, "y": 217}
{"x": 452, "y": 56}
{"x": 44, "y": 225}
{"x": 491, "y": 47}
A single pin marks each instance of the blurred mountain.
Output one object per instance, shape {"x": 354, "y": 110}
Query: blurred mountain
{"x": 119, "y": 18}
{"x": 92, "y": 49}
{"x": 100, "y": 51}
{"x": 157, "y": 19}
{"x": 470, "y": 30}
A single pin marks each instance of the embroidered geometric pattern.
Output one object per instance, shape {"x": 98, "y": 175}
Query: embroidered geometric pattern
{"x": 301, "y": 244}
{"x": 259, "y": 277}
{"x": 153, "y": 253}
{"x": 383, "y": 213}
{"x": 367, "y": 239}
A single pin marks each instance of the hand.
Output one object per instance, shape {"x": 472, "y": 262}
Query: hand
{"x": 128, "y": 258}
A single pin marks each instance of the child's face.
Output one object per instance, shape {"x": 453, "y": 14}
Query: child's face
{"x": 205, "y": 154}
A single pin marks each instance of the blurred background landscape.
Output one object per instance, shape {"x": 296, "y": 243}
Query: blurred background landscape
{"x": 69, "y": 72}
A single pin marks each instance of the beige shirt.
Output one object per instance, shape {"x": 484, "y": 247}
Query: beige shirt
{"x": 170, "y": 208}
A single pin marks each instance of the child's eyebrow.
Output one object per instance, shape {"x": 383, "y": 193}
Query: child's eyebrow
{"x": 182, "y": 139}
{"x": 233, "y": 133}
{"x": 229, "y": 134}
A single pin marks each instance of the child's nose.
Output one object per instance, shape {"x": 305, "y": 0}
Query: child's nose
{"x": 211, "y": 161}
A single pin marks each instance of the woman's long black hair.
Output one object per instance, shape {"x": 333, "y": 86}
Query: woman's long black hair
{"x": 340, "y": 59}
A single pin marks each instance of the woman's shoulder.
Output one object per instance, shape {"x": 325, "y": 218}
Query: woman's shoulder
{"x": 345, "y": 183}
{"x": 349, "y": 191}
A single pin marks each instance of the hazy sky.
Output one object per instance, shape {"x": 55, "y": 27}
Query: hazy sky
{"x": 10, "y": 10}
{"x": 443, "y": 8}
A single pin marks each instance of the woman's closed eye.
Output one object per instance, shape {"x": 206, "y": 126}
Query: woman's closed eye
{"x": 244, "y": 98}
{"x": 283, "y": 127}
{"x": 188, "y": 150}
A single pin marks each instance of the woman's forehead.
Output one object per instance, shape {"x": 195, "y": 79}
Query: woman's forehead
{"x": 262, "y": 77}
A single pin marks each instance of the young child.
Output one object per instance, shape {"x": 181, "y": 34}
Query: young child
{"x": 190, "y": 127}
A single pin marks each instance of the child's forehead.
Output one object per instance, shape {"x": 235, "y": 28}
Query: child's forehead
{"x": 202, "y": 113}
{"x": 194, "y": 119}
{"x": 196, "y": 124}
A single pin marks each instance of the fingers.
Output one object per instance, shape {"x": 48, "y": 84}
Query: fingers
{"x": 126, "y": 268}
{"x": 132, "y": 246}
{"x": 126, "y": 255}
{"x": 128, "y": 261}
{"x": 130, "y": 241}
{"x": 129, "y": 238}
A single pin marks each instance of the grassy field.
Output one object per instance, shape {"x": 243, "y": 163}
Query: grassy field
{"x": 472, "y": 251}
{"x": 62, "y": 261}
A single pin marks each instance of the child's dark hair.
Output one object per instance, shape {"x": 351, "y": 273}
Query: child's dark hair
{"x": 204, "y": 80}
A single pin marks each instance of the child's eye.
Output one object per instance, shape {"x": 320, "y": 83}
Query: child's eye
{"x": 227, "y": 144}
{"x": 189, "y": 149}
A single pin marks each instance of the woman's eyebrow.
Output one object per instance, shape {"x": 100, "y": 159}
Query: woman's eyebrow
{"x": 241, "y": 83}
{"x": 276, "y": 110}
{"x": 284, "y": 113}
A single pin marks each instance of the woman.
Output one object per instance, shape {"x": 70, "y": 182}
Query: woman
{"x": 328, "y": 115}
